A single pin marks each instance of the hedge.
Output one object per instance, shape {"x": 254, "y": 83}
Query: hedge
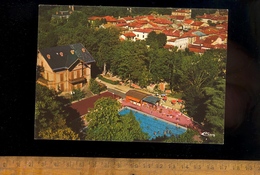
{"x": 107, "y": 80}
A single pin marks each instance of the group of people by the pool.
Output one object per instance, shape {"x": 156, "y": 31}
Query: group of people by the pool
{"x": 167, "y": 131}
{"x": 165, "y": 113}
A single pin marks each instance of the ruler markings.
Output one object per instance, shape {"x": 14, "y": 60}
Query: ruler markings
{"x": 114, "y": 166}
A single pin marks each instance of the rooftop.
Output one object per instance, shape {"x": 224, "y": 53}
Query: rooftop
{"x": 63, "y": 57}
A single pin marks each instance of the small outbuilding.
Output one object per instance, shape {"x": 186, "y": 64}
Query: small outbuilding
{"x": 135, "y": 96}
{"x": 152, "y": 100}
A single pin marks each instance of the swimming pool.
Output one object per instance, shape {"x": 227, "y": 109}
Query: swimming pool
{"x": 153, "y": 126}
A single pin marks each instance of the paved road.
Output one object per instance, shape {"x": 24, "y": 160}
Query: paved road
{"x": 116, "y": 92}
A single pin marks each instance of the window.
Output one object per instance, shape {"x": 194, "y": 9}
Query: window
{"x": 78, "y": 73}
{"x": 62, "y": 87}
{"x": 72, "y": 75}
{"x": 61, "y": 77}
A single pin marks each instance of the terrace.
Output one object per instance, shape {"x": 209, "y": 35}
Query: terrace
{"x": 164, "y": 113}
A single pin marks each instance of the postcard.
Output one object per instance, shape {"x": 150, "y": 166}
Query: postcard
{"x": 131, "y": 74}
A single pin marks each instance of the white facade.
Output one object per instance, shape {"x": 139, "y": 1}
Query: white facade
{"x": 140, "y": 35}
{"x": 181, "y": 43}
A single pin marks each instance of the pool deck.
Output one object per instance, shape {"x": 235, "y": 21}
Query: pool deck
{"x": 167, "y": 114}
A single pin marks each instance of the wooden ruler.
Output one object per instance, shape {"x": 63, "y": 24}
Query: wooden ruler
{"x": 123, "y": 166}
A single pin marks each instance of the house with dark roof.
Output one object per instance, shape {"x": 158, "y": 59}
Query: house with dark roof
{"x": 65, "y": 67}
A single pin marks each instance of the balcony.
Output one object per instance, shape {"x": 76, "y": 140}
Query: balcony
{"x": 77, "y": 80}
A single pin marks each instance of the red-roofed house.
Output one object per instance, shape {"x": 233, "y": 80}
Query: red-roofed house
{"x": 171, "y": 33}
{"x": 197, "y": 24}
{"x": 191, "y": 37}
{"x": 110, "y": 19}
{"x": 214, "y": 18}
{"x": 210, "y": 31}
{"x": 180, "y": 43}
{"x": 134, "y": 25}
{"x": 162, "y": 21}
{"x": 150, "y": 17}
{"x": 128, "y": 19}
{"x": 182, "y": 12}
{"x": 187, "y": 24}
{"x": 141, "y": 34}
{"x": 212, "y": 42}
{"x": 177, "y": 18}
{"x": 196, "y": 49}
{"x": 205, "y": 17}
{"x": 128, "y": 36}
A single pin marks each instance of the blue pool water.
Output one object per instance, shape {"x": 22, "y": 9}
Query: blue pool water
{"x": 153, "y": 126}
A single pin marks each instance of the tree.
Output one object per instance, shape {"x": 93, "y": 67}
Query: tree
{"x": 187, "y": 137}
{"x": 158, "y": 65}
{"x": 108, "y": 40}
{"x": 105, "y": 123}
{"x": 77, "y": 94}
{"x": 156, "y": 40}
{"x": 196, "y": 73}
{"x": 58, "y": 134}
{"x": 50, "y": 116}
{"x": 215, "y": 104}
{"x": 129, "y": 60}
{"x": 96, "y": 87}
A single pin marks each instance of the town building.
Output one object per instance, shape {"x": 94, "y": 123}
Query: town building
{"x": 65, "y": 67}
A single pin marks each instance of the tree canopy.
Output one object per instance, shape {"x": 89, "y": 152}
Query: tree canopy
{"x": 105, "y": 123}
{"x": 50, "y": 116}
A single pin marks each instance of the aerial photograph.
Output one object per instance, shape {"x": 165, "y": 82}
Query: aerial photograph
{"x": 131, "y": 74}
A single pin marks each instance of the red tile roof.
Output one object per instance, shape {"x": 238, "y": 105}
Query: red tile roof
{"x": 188, "y": 21}
{"x": 175, "y": 33}
{"x": 197, "y": 23}
{"x": 162, "y": 21}
{"x": 121, "y": 25}
{"x": 121, "y": 21}
{"x": 196, "y": 50}
{"x": 83, "y": 106}
{"x": 178, "y": 17}
{"x": 172, "y": 40}
{"x": 143, "y": 30}
{"x": 128, "y": 18}
{"x": 205, "y": 16}
{"x": 135, "y": 25}
{"x": 210, "y": 30}
{"x": 110, "y": 18}
{"x": 151, "y": 17}
{"x": 129, "y": 34}
{"x": 142, "y": 21}
{"x": 199, "y": 41}
{"x": 95, "y": 18}
{"x": 211, "y": 39}
{"x": 140, "y": 17}
{"x": 188, "y": 34}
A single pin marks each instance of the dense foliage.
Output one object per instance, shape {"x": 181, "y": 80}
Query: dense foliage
{"x": 50, "y": 116}
{"x": 108, "y": 80}
{"x": 96, "y": 87}
{"x": 105, "y": 123}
